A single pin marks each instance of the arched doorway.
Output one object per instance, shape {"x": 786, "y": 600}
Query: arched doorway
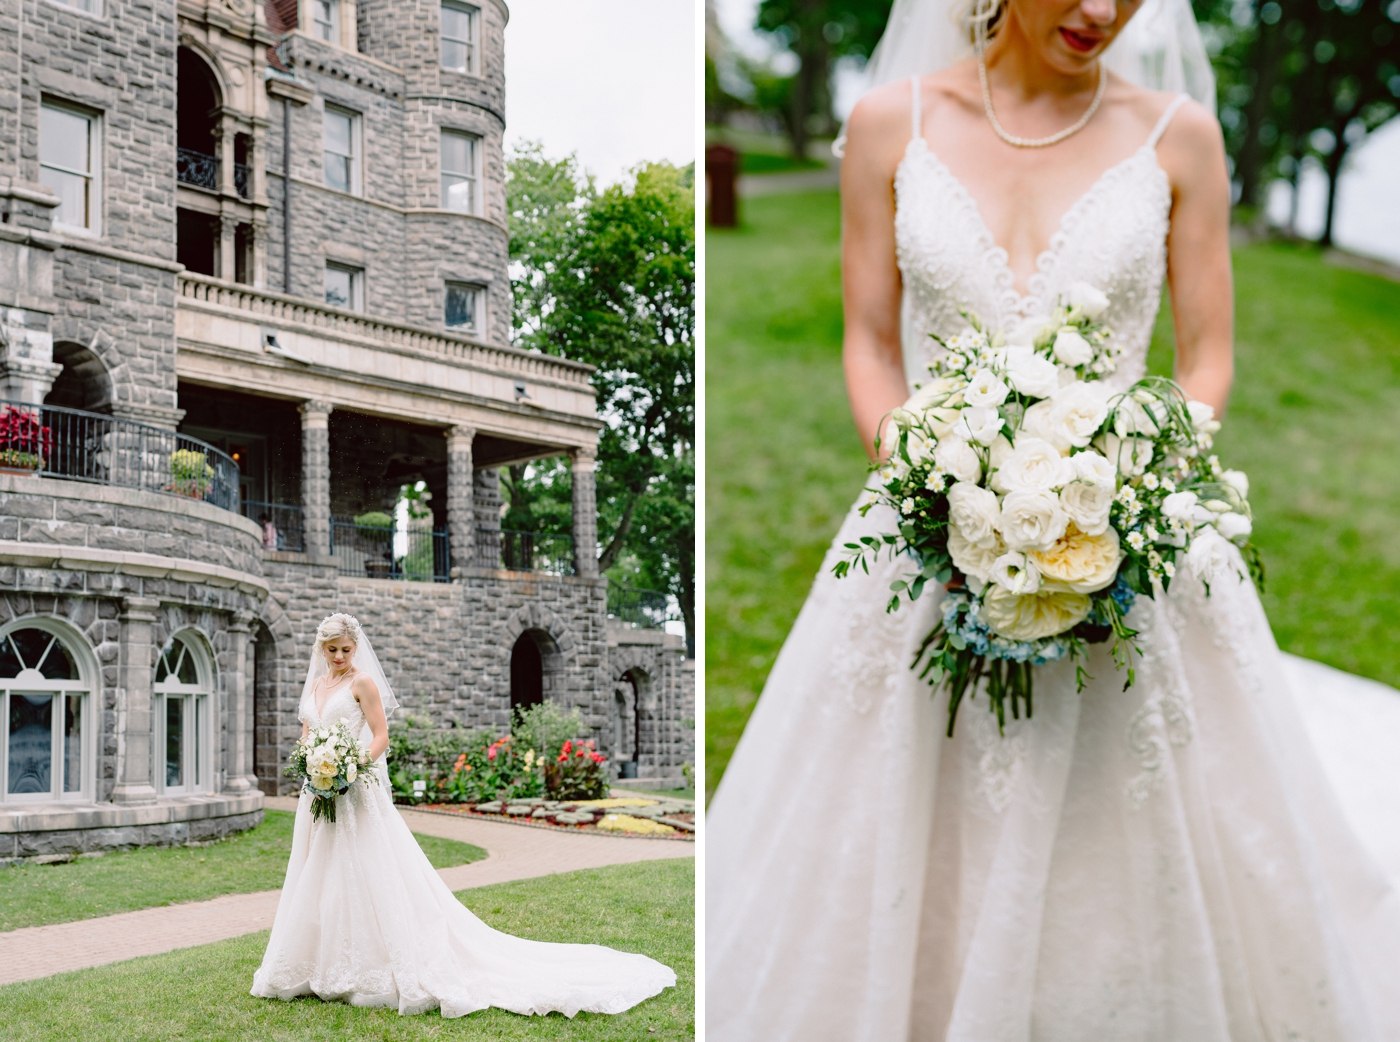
{"x": 641, "y": 722}
{"x": 526, "y": 673}
{"x": 84, "y": 382}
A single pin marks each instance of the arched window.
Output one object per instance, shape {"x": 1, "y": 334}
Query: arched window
{"x": 183, "y": 683}
{"x": 45, "y": 725}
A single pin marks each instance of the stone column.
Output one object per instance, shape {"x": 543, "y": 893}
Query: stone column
{"x": 224, "y": 135}
{"x": 316, "y": 476}
{"x": 461, "y": 518}
{"x": 27, "y": 368}
{"x": 228, "y": 247}
{"x": 585, "y": 512}
{"x": 259, "y": 266}
{"x": 238, "y": 770}
{"x": 135, "y": 713}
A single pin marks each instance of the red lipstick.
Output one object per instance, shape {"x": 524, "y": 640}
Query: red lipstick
{"x": 1081, "y": 42}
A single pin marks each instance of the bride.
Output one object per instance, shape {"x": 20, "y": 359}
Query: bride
{"x": 1162, "y": 863}
{"x": 365, "y": 919}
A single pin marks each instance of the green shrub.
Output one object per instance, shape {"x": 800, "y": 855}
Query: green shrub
{"x": 374, "y": 519}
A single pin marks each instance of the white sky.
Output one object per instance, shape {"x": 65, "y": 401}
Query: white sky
{"x": 613, "y": 80}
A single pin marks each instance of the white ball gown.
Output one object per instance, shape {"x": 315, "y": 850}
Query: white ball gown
{"x": 1163, "y": 864}
{"x": 365, "y": 919}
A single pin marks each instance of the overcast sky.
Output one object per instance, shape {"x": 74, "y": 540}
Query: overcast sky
{"x": 613, "y": 80}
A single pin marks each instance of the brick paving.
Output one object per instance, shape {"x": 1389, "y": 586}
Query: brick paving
{"x": 514, "y": 853}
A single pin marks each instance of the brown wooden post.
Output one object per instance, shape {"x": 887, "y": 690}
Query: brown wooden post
{"x": 721, "y": 176}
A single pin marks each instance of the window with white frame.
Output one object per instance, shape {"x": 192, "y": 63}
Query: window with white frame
{"x": 68, "y": 162}
{"x": 463, "y": 310}
{"x": 325, "y": 20}
{"x": 93, "y": 7}
{"x": 460, "y": 25}
{"x": 341, "y": 133}
{"x": 345, "y": 286}
{"x": 182, "y": 708}
{"x": 45, "y": 723}
{"x": 461, "y": 157}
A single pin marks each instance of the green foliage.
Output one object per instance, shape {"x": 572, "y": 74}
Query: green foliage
{"x": 546, "y": 726}
{"x": 191, "y": 473}
{"x": 374, "y": 519}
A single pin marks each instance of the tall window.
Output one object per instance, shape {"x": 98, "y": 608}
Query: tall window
{"x": 341, "y": 133}
{"x": 345, "y": 287}
{"x": 44, "y": 724}
{"x": 68, "y": 148}
{"x": 325, "y": 19}
{"x": 459, "y": 33}
{"x": 460, "y": 158}
{"x": 463, "y": 310}
{"x": 182, "y": 718}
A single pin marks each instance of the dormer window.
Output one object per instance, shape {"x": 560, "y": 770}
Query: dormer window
{"x": 460, "y": 24}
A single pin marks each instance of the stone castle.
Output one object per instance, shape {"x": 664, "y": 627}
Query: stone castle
{"x": 255, "y": 368}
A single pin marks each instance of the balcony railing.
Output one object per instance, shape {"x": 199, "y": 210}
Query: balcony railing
{"x": 280, "y": 523}
{"x": 240, "y": 179}
{"x": 81, "y": 446}
{"x": 195, "y": 168}
{"x": 524, "y": 551}
{"x": 418, "y": 554}
{"x": 645, "y": 609}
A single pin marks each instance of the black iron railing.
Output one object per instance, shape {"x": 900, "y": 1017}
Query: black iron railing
{"x": 645, "y": 609}
{"x": 82, "y": 446}
{"x": 524, "y": 551}
{"x": 416, "y": 553}
{"x": 280, "y": 523}
{"x": 195, "y": 168}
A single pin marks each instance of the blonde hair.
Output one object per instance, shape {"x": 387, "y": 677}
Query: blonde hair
{"x": 981, "y": 19}
{"x": 338, "y": 625}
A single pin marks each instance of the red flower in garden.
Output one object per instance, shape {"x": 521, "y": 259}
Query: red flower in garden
{"x": 562, "y": 757}
{"x": 568, "y": 747}
{"x": 597, "y": 758}
{"x": 491, "y": 753}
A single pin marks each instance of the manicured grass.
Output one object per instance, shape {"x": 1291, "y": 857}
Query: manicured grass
{"x": 33, "y": 895}
{"x": 759, "y": 163}
{"x": 1312, "y": 420}
{"x": 202, "y": 993}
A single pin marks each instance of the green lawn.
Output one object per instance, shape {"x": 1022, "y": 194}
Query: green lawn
{"x": 33, "y": 895}
{"x": 202, "y": 993}
{"x": 1312, "y": 420}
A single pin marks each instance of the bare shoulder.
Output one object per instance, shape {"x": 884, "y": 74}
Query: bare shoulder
{"x": 363, "y": 687}
{"x": 878, "y": 128}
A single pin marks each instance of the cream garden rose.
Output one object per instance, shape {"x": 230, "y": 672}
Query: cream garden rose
{"x": 971, "y": 558}
{"x": 1035, "y": 615}
{"x": 1079, "y": 562}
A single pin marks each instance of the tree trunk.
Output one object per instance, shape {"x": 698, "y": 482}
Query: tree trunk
{"x": 1251, "y": 158}
{"x": 813, "y": 53}
{"x": 609, "y": 556}
{"x": 1334, "y": 173}
{"x": 687, "y": 594}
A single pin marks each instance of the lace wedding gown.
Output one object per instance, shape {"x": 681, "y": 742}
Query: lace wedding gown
{"x": 365, "y": 919}
{"x": 1162, "y": 864}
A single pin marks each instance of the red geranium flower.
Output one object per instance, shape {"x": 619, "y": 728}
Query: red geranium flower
{"x": 568, "y": 747}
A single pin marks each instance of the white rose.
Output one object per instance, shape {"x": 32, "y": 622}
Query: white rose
{"x": 1180, "y": 506}
{"x": 1237, "y": 480}
{"x": 974, "y": 512}
{"x": 958, "y": 458}
{"x": 1070, "y": 417}
{"x": 1015, "y": 572}
{"x": 1025, "y": 333}
{"x": 979, "y": 424}
{"x": 351, "y": 771}
{"x": 1093, "y": 469}
{"x": 1209, "y": 555}
{"x": 999, "y": 450}
{"x": 1202, "y": 416}
{"x": 1033, "y": 463}
{"x": 985, "y": 390}
{"x": 1071, "y": 349}
{"x": 1088, "y": 505}
{"x": 1133, "y": 417}
{"x": 972, "y": 560}
{"x": 941, "y": 421}
{"x": 932, "y": 393}
{"x": 1235, "y": 527}
{"x": 1032, "y": 519}
{"x": 1131, "y": 456}
{"x": 1031, "y": 374}
{"x": 1089, "y": 299}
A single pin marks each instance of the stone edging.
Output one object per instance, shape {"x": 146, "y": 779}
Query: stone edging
{"x": 682, "y": 837}
{"x": 125, "y": 562}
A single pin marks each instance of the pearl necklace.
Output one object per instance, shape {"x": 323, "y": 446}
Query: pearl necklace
{"x": 1037, "y": 142}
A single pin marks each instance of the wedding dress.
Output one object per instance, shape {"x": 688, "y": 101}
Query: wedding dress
{"x": 365, "y": 919}
{"x": 1165, "y": 863}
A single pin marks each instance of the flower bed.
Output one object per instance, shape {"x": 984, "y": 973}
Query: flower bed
{"x": 631, "y": 815}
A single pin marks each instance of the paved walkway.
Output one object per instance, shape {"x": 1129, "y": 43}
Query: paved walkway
{"x": 513, "y": 853}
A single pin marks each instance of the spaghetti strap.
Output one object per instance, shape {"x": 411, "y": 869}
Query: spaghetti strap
{"x": 916, "y": 112}
{"x": 1161, "y": 127}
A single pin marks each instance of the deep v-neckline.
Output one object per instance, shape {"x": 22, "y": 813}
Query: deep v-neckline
{"x": 330, "y": 693}
{"x": 1044, "y": 260}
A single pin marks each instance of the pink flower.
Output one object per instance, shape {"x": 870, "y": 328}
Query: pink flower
{"x": 491, "y": 753}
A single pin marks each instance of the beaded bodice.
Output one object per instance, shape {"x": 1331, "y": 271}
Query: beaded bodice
{"x": 339, "y": 703}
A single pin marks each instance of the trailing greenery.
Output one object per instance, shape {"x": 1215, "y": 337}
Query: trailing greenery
{"x": 1317, "y": 377}
{"x": 202, "y": 993}
{"x": 123, "y": 881}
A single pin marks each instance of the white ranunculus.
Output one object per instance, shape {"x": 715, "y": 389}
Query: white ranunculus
{"x": 1180, "y": 506}
{"x": 1088, "y": 505}
{"x": 1131, "y": 456}
{"x": 1031, "y": 374}
{"x": 1089, "y": 299}
{"x": 1071, "y": 349}
{"x": 1133, "y": 417}
{"x": 1032, "y": 519}
{"x": 1033, "y": 463}
{"x": 1077, "y": 411}
{"x": 958, "y": 458}
{"x": 974, "y": 512}
{"x": 980, "y": 424}
{"x": 1208, "y": 555}
{"x": 1202, "y": 416}
{"x": 1235, "y": 527}
{"x": 973, "y": 560}
{"x": 1237, "y": 480}
{"x": 1014, "y": 571}
{"x": 1094, "y": 469}
{"x": 986, "y": 390}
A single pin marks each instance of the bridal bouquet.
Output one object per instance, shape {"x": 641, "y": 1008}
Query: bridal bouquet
{"x": 1046, "y": 502}
{"x": 329, "y": 760}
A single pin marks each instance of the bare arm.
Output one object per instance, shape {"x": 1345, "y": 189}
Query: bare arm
{"x": 1198, "y": 256}
{"x": 875, "y": 138}
{"x": 367, "y": 694}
